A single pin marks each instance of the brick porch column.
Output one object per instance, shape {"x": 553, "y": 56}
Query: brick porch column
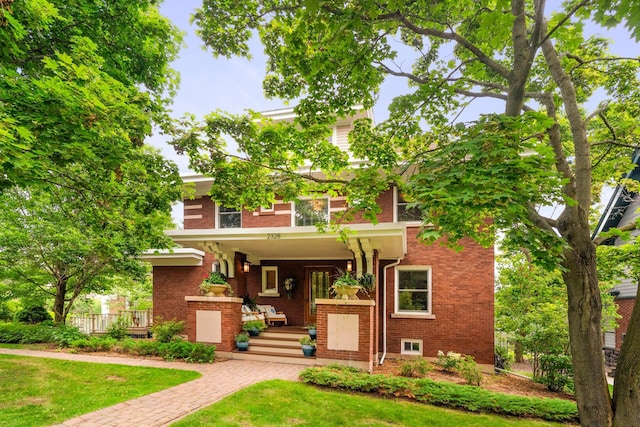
{"x": 346, "y": 332}
{"x": 214, "y": 320}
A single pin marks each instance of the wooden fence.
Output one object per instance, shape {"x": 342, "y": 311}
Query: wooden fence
{"x": 139, "y": 321}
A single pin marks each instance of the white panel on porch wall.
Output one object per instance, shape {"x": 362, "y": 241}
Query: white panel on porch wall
{"x": 208, "y": 326}
{"x": 343, "y": 332}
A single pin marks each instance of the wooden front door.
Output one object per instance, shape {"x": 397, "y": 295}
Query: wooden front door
{"x": 318, "y": 280}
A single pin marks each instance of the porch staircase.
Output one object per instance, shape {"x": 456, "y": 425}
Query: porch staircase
{"x": 277, "y": 344}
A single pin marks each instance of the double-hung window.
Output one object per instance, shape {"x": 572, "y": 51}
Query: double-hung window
{"x": 310, "y": 212}
{"x": 404, "y": 212}
{"x": 413, "y": 289}
{"x": 229, "y": 217}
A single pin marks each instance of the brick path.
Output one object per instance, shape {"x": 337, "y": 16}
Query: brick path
{"x": 166, "y": 406}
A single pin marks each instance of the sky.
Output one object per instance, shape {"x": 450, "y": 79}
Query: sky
{"x": 235, "y": 85}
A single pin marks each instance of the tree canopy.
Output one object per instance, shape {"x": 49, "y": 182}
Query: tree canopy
{"x": 547, "y": 144}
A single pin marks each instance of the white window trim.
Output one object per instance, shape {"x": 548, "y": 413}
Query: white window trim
{"x": 417, "y": 314}
{"x": 217, "y": 217}
{"x": 266, "y": 269}
{"x": 412, "y": 341}
{"x": 269, "y": 208}
{"x": 293, "y": 210}
{"x": 395, "y": 209}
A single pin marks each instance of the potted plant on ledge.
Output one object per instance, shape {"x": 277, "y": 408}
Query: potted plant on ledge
{"x": 214, "y": 285}
{"x": 242, "y": 341}
{"x": 254, "y": 327}
{"x": 311, "y": 328}
{"x": 308, "y": 346}
{"x": 345, "y": 286}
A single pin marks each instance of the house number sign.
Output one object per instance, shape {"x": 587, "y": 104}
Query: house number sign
{"x": 273, "y": 236}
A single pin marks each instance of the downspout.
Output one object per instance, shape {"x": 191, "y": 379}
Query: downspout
{"x": 384, "y": 310}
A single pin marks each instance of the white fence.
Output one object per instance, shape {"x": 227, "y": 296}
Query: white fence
{"x": 99, "y": 323}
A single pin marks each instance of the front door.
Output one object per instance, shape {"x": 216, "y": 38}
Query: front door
{"x": 318, "y": 280}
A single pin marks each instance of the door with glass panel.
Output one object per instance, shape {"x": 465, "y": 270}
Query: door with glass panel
{"x": 318, "y": 281}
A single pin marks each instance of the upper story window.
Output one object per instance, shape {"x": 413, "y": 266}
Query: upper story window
{"x": 405, "y": 213}
{"x": 310, "y": 212}
{"x": 229, "y": 217}
{"x": 413, "y": 289}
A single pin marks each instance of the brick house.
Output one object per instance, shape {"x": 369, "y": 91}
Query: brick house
{"x": 427, "y": 298}
{"x": 622, "y": 209}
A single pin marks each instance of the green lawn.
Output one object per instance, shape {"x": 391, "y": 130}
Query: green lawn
{"x": 283, "y": 403}
{"x": 40, "y": 392}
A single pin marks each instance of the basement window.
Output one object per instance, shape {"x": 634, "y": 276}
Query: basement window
{"x": 411, "y": 347}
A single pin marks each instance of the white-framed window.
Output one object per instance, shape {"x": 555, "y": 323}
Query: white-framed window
{"x": 403, "y": 212}
{"x": 229, "y": 217}
{"x": 411, "y": 347}
{"x": 270, "y": 280}
{"x": 413, "y": 289}
{"x": 310, "y": 212}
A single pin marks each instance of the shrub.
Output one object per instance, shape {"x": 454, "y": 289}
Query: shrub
{"x": 556, "y": 371}
{"x": 414, "y": 368}
{"x": 94, "y": 344}
{"x": 64, "y": 335}
{"x": 202, "y": 353}
{"x": 166, "y": 331}
{"x": 19, "y": 333}
{"x": 442, "y": 393}
{"x": 448, "y": 362}
{"x": 146, "y": 348}
{"x": 468, "y": 368}
{"x": 118, "y": 329}
{"x": 33, "y": 314}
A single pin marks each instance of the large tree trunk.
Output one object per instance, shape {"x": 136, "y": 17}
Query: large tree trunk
{"x": 626, "y": 394}
{"x": 58, "y": 302}
{"x": 585, "y": 313}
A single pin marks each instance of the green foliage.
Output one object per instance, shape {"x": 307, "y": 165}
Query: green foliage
{"x": 451, "y": 395}
{"x": 20, "y": 333}
{"x": 448, "y": 362}
{"x": 468, "y": 368}
{"x": 306, "y": 340}
{"x": 254, "y": 325}
{"x": 94, "y": 344}
{"x": 166, "y": 330}
{"x": 215, "y": 278}
{"x": 415, "y": 368}
{"x": 187, "y": 351}
{"x": 368, "y": 282}
{"x": 242, "y": 337}
{"x": 64, "y": 335}
{"x": 118, "y": 329}
{"x": 33, "y": 314}
{"x": 555, "y": 372}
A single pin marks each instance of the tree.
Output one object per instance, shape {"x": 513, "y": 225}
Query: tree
{"x": 56, "y": 244}
{"x": 548, "y": 145}
{"x": 82, "y": 82}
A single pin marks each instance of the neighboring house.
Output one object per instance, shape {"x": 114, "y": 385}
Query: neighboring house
{"x": 622, "y": 209}
{"x": 427, "y": 298}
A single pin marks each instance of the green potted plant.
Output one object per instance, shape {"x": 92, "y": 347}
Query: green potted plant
{"x": 215, "y": 284}
{"x": 308, "y": 346}
{"x": 367, "y": 282}
{"x": 345, "y": 286}
{"x": 242, "y": 341}
{"x": 253, "y": 327}
{"x": 313, "y": 332}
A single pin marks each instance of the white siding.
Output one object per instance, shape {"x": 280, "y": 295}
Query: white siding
{"x": 342, "y": 133}
{"x": 610, "y": 339}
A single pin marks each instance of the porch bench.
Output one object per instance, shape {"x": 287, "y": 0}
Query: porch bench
{"x": 249, "y": 315}
{"x": 272, "y": 315}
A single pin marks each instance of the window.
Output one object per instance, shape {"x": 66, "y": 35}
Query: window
{"x": 404, "y": 213}
{"x": 310, "y": 212}
{"x": 413, "y": 289}
{"x": 267, "y": 208}
{"x": 411, "y": 346}
{"x": 229, "y": 217}
{"x": 270, "y": 280}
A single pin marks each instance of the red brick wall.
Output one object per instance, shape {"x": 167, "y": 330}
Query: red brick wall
{"x": 462, "y": 290}
{"x": 207, "y": 213}
{"x": 278, "y": 218}
{"x": 366, "y": 349}
{"x": 625, "y": 307}
{"x": 231, "y": 318}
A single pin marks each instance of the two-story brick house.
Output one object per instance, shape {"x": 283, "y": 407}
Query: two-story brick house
{"x": 427, "y": 298}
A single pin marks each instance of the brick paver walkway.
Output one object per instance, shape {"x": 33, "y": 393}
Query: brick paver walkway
{"x": 166, "y": 406}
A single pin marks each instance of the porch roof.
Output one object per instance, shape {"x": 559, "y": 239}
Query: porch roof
{"x": 296, "y": 243}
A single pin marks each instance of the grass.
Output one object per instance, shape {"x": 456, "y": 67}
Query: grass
{"x": 39, "y": 392}
{"x": 278, "y": 402}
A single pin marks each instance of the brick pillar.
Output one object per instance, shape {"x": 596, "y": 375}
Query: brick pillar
{"x": 346, "y": 332}
{"x": 214, "y": 320}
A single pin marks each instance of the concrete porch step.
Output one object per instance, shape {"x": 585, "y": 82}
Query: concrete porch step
{"x": 294, "y": 336}
{"x": 274, "y": 342}
{"x": 257, "y": 348}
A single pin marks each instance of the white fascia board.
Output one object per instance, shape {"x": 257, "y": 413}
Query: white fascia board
{"x": 173, "y": 257}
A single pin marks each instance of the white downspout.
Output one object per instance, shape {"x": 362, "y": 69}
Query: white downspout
{"x": 384, "y": 310}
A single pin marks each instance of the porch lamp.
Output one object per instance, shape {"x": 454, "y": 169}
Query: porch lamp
{"x": 349, "y": 265}
{"x": 246, "y": 266}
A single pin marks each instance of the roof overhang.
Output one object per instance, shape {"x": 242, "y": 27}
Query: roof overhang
{"x": 297, "y": 243}
{"x": 181, "y": 257}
